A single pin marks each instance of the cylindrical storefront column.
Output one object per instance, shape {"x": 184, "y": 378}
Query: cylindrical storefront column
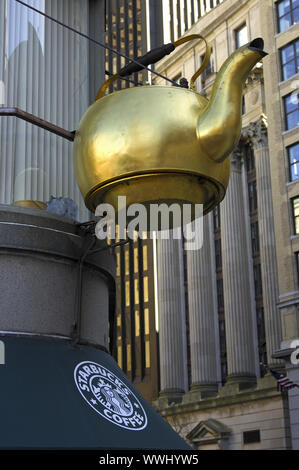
{"x": 237, "y": 301}
{"x": 201, "y": 317}
{"x": 257, "y": 135}
{"x": 171, "y": 307}
{"x": 57, "y": 297}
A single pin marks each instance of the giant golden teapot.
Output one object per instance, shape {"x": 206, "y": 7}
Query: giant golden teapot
{"x": 167, "y": 144}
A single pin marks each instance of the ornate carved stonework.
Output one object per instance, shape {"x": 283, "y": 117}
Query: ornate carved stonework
{"x": 256, "y": 133}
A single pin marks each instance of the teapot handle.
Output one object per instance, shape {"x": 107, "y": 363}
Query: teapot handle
{"x": 154, "y": 56}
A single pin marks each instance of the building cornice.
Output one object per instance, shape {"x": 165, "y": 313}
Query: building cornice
{"x": 220, "y": 401}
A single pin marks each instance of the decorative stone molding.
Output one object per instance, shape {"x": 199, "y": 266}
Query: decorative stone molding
{"x": 210, "y": 433}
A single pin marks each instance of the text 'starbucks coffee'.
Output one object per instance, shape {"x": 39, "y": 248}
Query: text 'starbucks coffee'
{"x": 109, "y": 396}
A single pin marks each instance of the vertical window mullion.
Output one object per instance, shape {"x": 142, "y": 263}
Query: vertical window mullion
{"x": 295, "y": 213}
{"x": 192, "y": 13}
{"x": 130, "y": 249}
{"x": 287, "y": 110}
{"x": 135, "y": 35}
{"x": 123, "y": 310}
{"x": 178, "y": 12}
{"x": 141, "y": 307}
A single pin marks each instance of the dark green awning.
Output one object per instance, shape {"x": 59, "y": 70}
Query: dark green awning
{"x": 53, "y": 395}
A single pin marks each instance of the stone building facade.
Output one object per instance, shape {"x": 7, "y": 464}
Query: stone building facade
{"x": 241, "y": 307}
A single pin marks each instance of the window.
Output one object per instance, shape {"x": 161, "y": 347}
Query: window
{"x": 127, "y": 264}
{"x": 224, "y": 370}
{"x": 222, "y": 336}
{"x": 241, "y": 36}
{"x": 257, "y": 280}
{"x": 127, "y": 293}
{"x": 136, "y": 287}
{"x": 209, "y": 69}
{"x": 145, "y": 288}
{"x": 129, "y": 359}
{"x": 136, "y": 266}
{"x": 218, "y": 254}
{"x": 249, "y": 437}
{"x": 220, "y": 298}
{"x": 137, "y": 323}
{"x": 146, "y": 322}
{"x": 255, "y": 239}
{"x": 291, "y": 108}
{"x": 118, "y": 264}
{"x": 262, "y": 349}
{"x": 252, "y": 197}
{"x": 216, "y": 218}
{"x": 147, "y": 354}
{"x": 295, "y": 207}
{"x": 145, "y": 264}
{"x": 119, "y": 356}
{"x": 249, "y": 158}
{"x": 287, "y": 14}
{"x": 293, "y": 154}
{"x": 289, "y": 56}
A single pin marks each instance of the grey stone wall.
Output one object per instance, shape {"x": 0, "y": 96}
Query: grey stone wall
{"x": 40, "y": 277}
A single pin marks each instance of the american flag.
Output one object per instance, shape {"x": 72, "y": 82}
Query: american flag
{"x": 283, "y": 382}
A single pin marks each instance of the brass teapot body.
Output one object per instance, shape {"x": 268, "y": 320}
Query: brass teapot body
{"x": 168, "y": 144}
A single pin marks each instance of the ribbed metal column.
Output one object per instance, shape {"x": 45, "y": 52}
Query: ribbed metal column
{"x": 44, "y": 71}
{"x": 257, "y": 135}
{"x": 172, "y": 321}
{"x": 201, "y": 317}
{"x": 237, "y": 301}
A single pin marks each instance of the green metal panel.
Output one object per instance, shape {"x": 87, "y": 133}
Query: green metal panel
{"x": 54, "y": 395}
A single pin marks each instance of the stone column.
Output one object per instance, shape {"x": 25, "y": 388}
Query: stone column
{"x": 237, "y": 300}
{"x": 201, "y": 317}
{"x": 172, "y": 319}
{"x": 256, "y": 133}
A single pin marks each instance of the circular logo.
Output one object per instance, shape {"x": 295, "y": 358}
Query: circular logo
{"x": 109, "y": 396}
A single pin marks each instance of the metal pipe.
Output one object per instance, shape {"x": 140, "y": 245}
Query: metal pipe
{"x": 48, "y": 126}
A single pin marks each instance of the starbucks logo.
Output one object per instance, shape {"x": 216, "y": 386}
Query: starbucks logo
{"x": 109, "y": 396}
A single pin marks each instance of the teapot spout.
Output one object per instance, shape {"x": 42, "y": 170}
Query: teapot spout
{"x": 219, "y": 126}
